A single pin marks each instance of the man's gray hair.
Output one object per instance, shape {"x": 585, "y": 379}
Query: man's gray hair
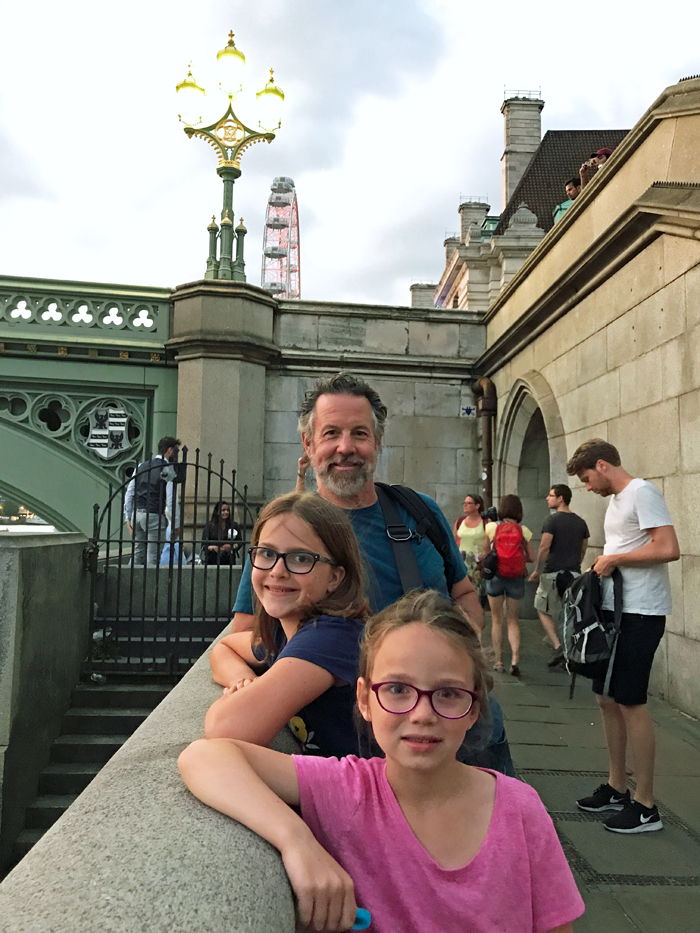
{"x": 342, "y": 384}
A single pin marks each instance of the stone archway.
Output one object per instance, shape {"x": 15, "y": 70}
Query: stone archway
{"x": 530, "y": 454}
{"x": 530, "y": 393}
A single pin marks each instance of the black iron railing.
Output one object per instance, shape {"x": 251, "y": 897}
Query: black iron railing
{"x": 163, "y": 578}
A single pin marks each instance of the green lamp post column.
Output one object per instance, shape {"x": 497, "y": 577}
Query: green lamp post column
{"x": 239, "y": 265}
{"x": 230, "y": 138}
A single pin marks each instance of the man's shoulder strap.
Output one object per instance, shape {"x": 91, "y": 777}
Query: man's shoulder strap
{"x": 426, "y": 520}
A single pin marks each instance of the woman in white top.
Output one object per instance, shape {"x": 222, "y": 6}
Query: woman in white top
{"x": 508, "y": 585}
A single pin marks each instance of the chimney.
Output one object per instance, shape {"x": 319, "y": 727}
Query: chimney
{"x": 472, "y": 211}
{"x": 523, "y": 133}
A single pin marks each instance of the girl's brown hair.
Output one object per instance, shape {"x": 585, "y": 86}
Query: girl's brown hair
{"x": 333, "y": 527}
{"x": 429, "y": 608}
{"x": 510, "y": 506}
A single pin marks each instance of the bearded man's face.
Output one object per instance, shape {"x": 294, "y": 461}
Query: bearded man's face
{"x": 343, "y": 447}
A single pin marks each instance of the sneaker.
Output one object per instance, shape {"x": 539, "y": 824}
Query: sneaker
{"x": 604, "y": 797}
{"x": 557, "y": 657}
{"x": 634, "y": 818}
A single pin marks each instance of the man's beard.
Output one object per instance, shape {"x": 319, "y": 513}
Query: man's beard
{"x": 344, "y": 484}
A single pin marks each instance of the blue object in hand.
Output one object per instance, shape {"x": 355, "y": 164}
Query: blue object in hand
{"x": 362, "y": 919}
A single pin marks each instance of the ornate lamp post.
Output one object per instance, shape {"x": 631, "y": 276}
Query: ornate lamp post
{"x": 230, "y": 137}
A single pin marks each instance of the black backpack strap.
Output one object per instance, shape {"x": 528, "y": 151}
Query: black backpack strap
{"x": 426, "y": 522}
{"x": 617, "y": 596}
{"x": 400, "y": 536}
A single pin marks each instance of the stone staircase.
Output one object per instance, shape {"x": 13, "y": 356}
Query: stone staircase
{"x": 100, "y": 719}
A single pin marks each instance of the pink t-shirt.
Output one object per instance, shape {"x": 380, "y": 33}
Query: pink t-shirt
{"x": 518, "y": 882}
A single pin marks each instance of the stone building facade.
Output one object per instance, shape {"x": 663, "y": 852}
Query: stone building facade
{"x": 598, "y": 335}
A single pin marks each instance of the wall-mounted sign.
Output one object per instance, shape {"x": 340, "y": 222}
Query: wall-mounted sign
{"x": 109, "y": 435}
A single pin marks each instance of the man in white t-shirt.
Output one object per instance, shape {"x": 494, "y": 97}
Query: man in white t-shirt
{"x": 640, "y": 540}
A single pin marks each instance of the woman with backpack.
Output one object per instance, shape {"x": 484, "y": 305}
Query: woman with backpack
{"x": 511, "y": 542}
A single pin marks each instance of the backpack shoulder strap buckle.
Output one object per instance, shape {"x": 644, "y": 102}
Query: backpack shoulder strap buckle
{"x": 399, "y": 532}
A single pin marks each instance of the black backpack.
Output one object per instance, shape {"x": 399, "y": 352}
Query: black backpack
{"x": 588, "y": 640}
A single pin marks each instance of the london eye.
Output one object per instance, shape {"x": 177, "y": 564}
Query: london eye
{"x": 281, "y": 274}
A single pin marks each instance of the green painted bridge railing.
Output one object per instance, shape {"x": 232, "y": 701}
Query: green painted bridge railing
{"x": 40, "y": 310}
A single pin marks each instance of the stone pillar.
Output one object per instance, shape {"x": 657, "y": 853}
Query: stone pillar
{"x": 223, "y": 342}
{"x": 522, "y": 124}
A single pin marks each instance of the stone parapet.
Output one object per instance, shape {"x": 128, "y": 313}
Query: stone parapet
{"x": 137, "y": 851}
{"x": 44, "y": 611}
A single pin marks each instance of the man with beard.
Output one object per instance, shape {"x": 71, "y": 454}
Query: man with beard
{"x": 342, "y": 423}
{"x": 640, "y": 540}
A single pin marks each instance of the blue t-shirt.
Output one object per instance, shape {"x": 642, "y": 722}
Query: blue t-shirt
{"x": 325, "y": 726}
{"x": 382, "y": 574}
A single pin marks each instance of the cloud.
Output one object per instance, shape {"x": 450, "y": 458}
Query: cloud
{"x": 20, "y": 178}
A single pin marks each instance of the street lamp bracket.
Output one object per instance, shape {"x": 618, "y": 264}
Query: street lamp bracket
{"x": 230, "y": 137}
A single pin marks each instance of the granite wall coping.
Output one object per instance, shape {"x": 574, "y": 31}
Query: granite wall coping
{"x": 136, "y": 851}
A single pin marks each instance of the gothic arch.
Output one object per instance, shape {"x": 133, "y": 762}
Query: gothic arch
{"x": 529, "y": 392}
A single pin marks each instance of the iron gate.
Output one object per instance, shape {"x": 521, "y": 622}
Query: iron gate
{"x": 156, "y": 619}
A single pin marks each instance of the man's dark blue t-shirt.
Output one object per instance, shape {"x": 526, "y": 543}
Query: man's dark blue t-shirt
{"x": 382, "y": 574}
{"x": 324, "y": 726}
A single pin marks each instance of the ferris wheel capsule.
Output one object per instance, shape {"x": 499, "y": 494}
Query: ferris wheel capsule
{"x": 281, "y": 275}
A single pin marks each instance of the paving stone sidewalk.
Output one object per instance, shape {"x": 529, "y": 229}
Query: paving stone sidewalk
{"x": 644, "y": 883}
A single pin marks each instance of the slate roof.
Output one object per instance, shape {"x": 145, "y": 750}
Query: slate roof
{"x": 558, "y": 158}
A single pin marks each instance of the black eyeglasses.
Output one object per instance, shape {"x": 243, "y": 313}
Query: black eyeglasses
{"x": 448, "y": 702}
{"x": 265, "y": 558}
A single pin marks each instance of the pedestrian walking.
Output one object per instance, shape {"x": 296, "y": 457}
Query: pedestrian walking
{"x": 470, "y": 535}
{"x": 562, "y": 547}
{"x": 640, "y": 541}
{"x": 511, "y": 541}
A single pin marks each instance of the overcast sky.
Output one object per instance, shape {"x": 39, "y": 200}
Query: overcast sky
{"x": 392, "y": 112}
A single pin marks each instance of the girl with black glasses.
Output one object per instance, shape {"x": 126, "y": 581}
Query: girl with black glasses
{"x": 299, "y": 664}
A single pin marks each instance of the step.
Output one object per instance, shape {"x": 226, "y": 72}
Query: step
{"x": 73, "y": 778}
{"x": 160, "y": 666}
{"x": 86, "y": 747}
{"x": 119, "y": 696}
{"x": 91, "y": 720}
{"x": 24, "y": 842}
{"x": 45, "y": 810}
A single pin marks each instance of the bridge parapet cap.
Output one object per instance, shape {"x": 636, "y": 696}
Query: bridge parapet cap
{"x": 137, "y": 848}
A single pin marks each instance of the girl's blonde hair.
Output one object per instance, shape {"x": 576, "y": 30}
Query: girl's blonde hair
{"x": 429, "y": 608}
{"x": 331, "y": 524}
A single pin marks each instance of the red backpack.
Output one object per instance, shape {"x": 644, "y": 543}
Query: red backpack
{"x": 510, "y": 548}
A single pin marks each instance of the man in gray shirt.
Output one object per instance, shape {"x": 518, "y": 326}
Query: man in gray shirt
{"x": 562, "y": 547}
{"x": 640, "y": 540}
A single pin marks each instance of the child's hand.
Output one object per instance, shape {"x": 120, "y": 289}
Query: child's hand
{"x": 238, "y": 685}
{"x": 325, "y": 892}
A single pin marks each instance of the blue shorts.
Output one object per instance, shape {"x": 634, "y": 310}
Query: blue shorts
{"x": 512, "y": 587}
